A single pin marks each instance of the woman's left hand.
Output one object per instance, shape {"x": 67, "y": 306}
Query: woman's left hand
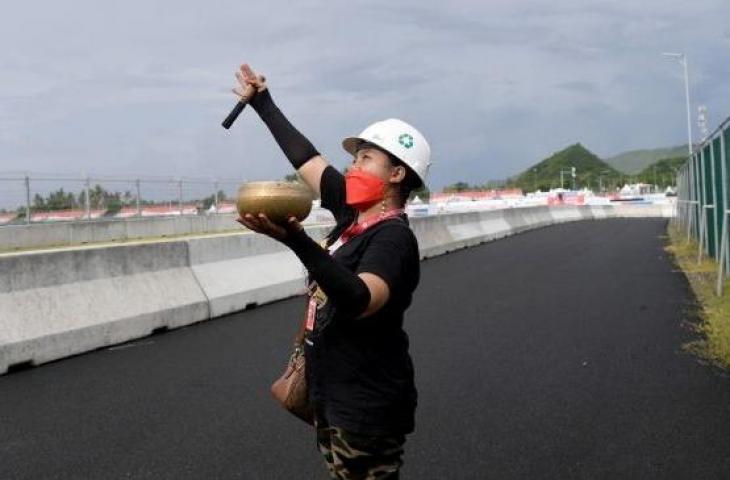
{"x": 262, "y": 224}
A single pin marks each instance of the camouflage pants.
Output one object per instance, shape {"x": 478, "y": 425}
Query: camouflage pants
{"x": 351, "y": 456}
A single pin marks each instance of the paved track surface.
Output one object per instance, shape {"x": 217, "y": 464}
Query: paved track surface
{"x": 552, "y": 354}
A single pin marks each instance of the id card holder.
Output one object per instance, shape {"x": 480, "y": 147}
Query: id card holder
{"x": 311, "y": 315}
{"x": 333, "y": 248}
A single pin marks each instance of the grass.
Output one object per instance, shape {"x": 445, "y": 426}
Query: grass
{"x": 713, "y": 311}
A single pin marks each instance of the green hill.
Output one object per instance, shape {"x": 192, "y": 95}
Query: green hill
{"x": 663, "y": 172}
{"x": 635, "y": 161}
{"x": 589, "y": 168}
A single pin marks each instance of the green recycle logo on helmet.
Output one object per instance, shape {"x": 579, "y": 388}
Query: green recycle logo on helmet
{"x": 406, "y": 140}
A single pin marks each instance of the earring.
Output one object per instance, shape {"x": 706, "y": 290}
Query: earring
{"x": 382, "y": 211}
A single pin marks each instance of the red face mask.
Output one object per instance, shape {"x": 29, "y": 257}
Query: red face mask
{"x": 363, "y": 190}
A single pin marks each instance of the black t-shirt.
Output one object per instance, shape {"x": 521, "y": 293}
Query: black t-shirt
{"x": 359, "y": 371}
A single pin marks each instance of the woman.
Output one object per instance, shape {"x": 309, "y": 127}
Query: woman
{"x": 359, "y": 372}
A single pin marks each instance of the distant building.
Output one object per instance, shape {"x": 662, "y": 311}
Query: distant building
{"x": 157, "y": 210}
{"x": 473, "y": 195}
{"x": 64, "y": 215}
{"x": 7, "y": 217}
{"x": 223, "y": 207}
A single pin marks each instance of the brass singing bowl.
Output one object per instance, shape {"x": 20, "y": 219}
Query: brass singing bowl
{"x": 277, "y": 200}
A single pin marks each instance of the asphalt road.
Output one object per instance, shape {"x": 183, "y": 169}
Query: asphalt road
{"x": 551, "y": 354}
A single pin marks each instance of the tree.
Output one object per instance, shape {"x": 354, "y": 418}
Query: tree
{"x": 39, "y": 203}
{"x": 58, "y": 200}
{"x": 210, "y": 200}
{"x": 662, "y": 173}
{"x": 97, "y": 197}
{"x": 495, "y": 184}
{"x": 457, "y": 187}
{"x": 100, "y": 199}
{"x": 113, "y": 207}
{"x": 423, "y": 193}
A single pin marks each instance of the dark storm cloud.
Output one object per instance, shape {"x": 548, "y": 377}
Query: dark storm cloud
{"x": 140, "y": 88}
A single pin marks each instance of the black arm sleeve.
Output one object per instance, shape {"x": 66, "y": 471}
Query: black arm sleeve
{"x": 347, "y": 292}
{"x": 295, "y": 146}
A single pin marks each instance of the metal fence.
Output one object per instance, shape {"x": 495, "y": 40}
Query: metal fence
{"x": 703, "y": 203}
{"x": 29, "y": 198}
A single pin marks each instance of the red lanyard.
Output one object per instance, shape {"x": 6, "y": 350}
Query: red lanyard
{"x": 351, "y": 231}
{"x": 357, "y": 228}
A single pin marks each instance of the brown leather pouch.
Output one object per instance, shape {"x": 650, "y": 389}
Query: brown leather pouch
{"x": 290, "y": 390}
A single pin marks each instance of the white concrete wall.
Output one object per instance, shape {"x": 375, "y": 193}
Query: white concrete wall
{"x": 63, "y": 302}
{"x": 239, "y": 270}
{"x": 42, "y": 235}
{"x": 74, "y": 233}
{"x": 53, "y": 305}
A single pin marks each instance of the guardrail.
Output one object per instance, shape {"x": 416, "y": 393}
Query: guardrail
{"x": 59, "y": 303}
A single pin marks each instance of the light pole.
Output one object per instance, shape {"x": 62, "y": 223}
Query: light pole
{"x": 571, "y": 172}
{"x": 600, "y": 180}
{"x": 683, "y": 60}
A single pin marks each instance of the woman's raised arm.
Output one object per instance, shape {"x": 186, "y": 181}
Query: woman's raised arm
{"x": 298, "y": 149}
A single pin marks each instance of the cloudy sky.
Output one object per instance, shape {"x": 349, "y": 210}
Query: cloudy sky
{"x": 139, "y": 88}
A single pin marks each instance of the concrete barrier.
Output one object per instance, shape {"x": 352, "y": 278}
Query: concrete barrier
{"x": 43, "y": 235}
{"x": 448, "y": 232}
{"x": 237, "y": 271}
{"x": 567, "y": 213}
{"x": 600, "y": 211}
{"x": 643, "y": 210}
{"x": 110, "y": 230}
{"x": 59, "y": 303}
{"x": 56, "y": 304}
{"x": 521, "y": 219}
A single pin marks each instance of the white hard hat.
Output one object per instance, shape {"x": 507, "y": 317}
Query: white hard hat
{"x": 399, "y": 139}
